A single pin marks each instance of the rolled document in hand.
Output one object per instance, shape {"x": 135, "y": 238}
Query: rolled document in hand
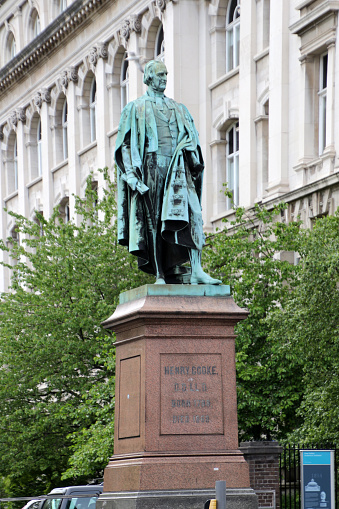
{"x": 140, "y": 186}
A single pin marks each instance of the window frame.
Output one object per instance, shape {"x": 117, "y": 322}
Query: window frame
{"x": 64, "y": 123}
{"x": 39, "y": 147}
{"x": 159, "y": 48}
{"x": 124, "y": 81}
{"x": 232, "y": 158}
{"x": 233, "y": 36}
{"x": 322, "y": 101}
{"x": 92, "y": 109}
{"x": 15, "y": 164}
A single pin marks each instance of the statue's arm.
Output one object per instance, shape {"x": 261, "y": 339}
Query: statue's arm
{"x": 193, "y": 155}
{"x": 131, "y": 176}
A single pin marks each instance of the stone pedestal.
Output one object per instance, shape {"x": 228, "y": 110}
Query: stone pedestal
{"x": 176, "y": 412}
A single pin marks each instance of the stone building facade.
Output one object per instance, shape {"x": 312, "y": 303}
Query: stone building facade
{"x": 258, "y": 77}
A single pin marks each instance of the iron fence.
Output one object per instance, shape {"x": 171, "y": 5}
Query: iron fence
{"x": 290, "y": 486}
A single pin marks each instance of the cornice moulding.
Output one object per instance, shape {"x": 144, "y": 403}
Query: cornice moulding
{"x": 48, "y": 40}
{"x": 314, "y": 17}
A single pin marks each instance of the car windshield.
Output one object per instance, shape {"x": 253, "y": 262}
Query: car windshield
{"x": 52, "y": 503}
{"x": 81, "y": 503}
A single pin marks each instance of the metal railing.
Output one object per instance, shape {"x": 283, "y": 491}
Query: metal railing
{"x": 290, "y": 495}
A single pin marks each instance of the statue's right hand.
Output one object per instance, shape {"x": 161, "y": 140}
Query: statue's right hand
{"x": 132, "y": 182}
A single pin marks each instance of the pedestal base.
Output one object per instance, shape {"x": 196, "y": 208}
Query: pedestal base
{"x": 171, "y": 472}
{"x": 175, "y": 499}
{"x": 176, "y": 413}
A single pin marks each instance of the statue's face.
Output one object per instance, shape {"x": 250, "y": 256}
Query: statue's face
{"x": 159, "y": 80}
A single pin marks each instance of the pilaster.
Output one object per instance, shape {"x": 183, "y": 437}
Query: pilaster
{"x": 279, "y": 99}
{"x": 181, "y": 28}
{"x": 46, "y": 159}
{"x": 330, "y": 105}
{"x": 247, "y": 100}
{"x": 73, "y": 147}
{"x": 102, "y": 118}
{"x": 22, "y": 181}
{"x": 135, "y": 75}
{"x": 3, "y": 270}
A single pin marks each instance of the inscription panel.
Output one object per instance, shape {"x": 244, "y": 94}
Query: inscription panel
{"x": 191, "y": 394}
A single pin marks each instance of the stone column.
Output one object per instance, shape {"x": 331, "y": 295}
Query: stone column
{"x": 102, "y": 119}
{"x": 22, "y": 151}
{"x": 247, "y": 102}
{"x": 3, "y": 216}
{"x": 330, "y": 111}
{"x": 46, "y": 154}
{"x": 181, "y": 28}
{"x": 263, "y": 461}
{"x": 135, "y": 75}
{"x": 204, "y": 120}
{"x": 279, "y": 100}
{"x": 73, "y": 131}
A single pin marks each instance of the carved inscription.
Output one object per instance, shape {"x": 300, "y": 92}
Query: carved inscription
{"x": 191, "y": 394}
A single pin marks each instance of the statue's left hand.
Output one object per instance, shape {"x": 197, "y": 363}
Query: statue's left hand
{"x": 132, "y": 182}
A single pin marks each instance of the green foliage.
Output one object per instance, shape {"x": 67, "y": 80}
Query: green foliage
{"x": 309, "y": 322}
{"x": 57, "y": 362}
{"x": 253, "y": 255}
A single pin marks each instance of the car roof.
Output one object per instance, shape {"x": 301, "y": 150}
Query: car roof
{"x": 68, "y": 490}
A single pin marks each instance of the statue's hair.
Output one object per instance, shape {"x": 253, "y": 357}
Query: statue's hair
{"x": 149, "y": 70}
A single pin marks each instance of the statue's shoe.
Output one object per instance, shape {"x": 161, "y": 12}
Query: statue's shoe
{"x": 204, "y": 279}
{"x": 160, "y": 281}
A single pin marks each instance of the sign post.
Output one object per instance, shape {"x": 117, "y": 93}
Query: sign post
{"x": 317, "y": 479}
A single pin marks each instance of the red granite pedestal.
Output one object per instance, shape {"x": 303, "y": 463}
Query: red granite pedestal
{"x": 176, "y": 411}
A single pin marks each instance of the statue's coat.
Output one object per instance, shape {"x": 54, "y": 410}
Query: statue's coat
{"x": 181, "y": 210}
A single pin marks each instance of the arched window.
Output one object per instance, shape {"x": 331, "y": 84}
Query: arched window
{"x": 15, "y": 164}
{"x": 124, "y": 82}
{"x": 10, "y": 47}
{"x": 39, "y": 145}
{"x": 232, "y": 164}
{"x": 36, "y": 26}
{"x": 65, "y": 210}
{"x": 159, "y": 52}
{"x": 232, "y": 35}
{"x": 92, "y": 109}
{"x": 64, "y": 130}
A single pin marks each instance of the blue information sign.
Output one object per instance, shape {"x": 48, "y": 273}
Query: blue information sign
{"x": 317, "y": 479}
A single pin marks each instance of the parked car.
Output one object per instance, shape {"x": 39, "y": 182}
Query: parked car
{"x": 32, "y": 504}
{"x": 76, "y": 498}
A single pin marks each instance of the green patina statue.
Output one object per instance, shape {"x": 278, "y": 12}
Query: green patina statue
{"x": 160, "y": 168}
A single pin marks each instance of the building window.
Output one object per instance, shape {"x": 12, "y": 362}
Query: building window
{"x": 34, "y": 24}
{"x": 92, "y": 109}
{"x": 65, "y": 210}
{"x": 10, "y": 47}
{"x": 159, "y": 53}
{"x": 15, "y": 164}
{"x": 232, "y": 35}
{"x": 124, "y": 82}
{"x": 322, "y": 101}
{"x": 39, "y": 145}
{"x": 232, "y": 165}
{"x": 36, "y": 27}
{"x": 64, "y": 130}
{"x": 63, "y": 5}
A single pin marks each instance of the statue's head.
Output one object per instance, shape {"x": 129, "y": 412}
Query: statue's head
{"x": 155, "y": 75}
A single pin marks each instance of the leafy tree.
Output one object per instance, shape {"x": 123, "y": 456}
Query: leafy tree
{"x": 310, "y": 324}
{"x": 57, "y": 362}
{"x": 253, "y": 255}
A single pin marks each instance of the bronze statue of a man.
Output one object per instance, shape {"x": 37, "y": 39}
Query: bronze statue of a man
{"x": 160, "y": 170}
